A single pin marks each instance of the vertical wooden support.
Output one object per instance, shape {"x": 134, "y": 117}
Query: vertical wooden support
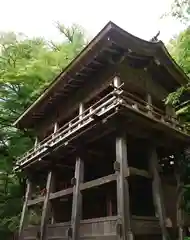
{"x": 46, "y": 206}
{"x": 157, "y": 192}
{"x": 77, "y": 198}
{"x": 55, "y": 129}
{"x": 24, "y": 209}
{"x": 123, "y": 206}
{"x": 149, "y": 106}
{"x": 179, "y": 209}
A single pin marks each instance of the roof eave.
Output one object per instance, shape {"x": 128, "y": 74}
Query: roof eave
{"x": 115, "y": 34}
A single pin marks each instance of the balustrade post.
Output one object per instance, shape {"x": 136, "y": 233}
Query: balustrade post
{"x": 116, "y": 81}
{"x": 55, "y": 127}
{"x": 35, "y": 143}
{"x": 81, "y": 110}
{"x": 149, "y": 105}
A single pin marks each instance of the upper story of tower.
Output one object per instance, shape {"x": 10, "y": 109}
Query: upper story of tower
{"x": 115, "y": 64}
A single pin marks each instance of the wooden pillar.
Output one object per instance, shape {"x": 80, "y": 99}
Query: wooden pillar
{"x": 123, "y": 206}
{"x": 180, "y": 216}
{"x": 77, "y": 198}
{"x": 25, "y": 208}
{"x": 46, "y": 206}
{"x": 157, "y": 192}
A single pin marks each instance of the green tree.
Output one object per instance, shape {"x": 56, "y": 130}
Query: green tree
{"x": 180, "y": 9}
{"x": 180, "y": 51}
{"x": 27, "y": 66}
{"x": 179, "y": 48}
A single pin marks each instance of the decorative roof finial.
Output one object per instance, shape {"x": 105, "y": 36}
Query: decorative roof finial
{"x": 155, "y": 38}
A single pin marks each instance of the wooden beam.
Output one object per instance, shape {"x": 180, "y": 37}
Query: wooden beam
{"x": 25, "y": 206}
{"x": 123, "y": 206}
{"x": 139, "y": 172}
{"x": 61, "y": 193}
{"x": 77, "y": 199}
{"x": 91, "y": 184}
{"x": 98, "y": 182}
{"x": 83, "y": 186}
{"x": 157, "y": 192}
{"x": 35, "y": 201}
{"x": 46, "y": 206}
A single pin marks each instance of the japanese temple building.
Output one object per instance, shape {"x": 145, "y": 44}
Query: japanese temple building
{"x": 105, "y": 161}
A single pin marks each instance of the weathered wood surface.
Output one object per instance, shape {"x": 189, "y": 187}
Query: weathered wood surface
{"x": 99, "y": 228}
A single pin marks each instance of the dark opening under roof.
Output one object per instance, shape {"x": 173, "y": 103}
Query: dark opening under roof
{"x": 77, "y": 70}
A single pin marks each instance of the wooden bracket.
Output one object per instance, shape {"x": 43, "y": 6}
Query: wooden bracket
{"x": 73, "y": 181}
{"x": 116, "y": 166}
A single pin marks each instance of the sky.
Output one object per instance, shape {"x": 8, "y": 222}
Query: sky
{"x": 38, "y": 17}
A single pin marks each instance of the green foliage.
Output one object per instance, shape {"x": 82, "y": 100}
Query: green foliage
{"x": 180, "y": 9}
{"x": 27, "y": 66}
{"x": 180, "y": 51}
{"x": 179, "y": 48}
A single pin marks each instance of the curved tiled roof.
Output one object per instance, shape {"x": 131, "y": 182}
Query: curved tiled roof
{"x": 77, "y": 71}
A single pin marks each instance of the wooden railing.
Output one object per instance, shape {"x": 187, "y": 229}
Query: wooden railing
{"x": 98, "y": 228}
{"x": 100, "y": 108}
{"x": 141, "y": 106}
{"x": 117, "y": 97}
